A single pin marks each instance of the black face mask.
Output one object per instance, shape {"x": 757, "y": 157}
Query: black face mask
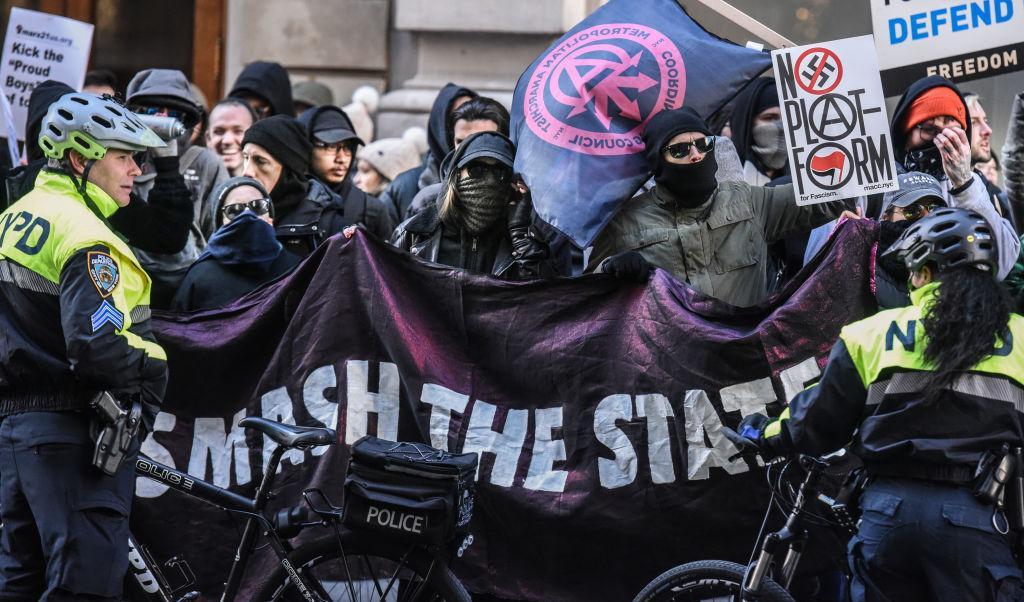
{"x": 889, "y": 233}
{"x": 925, "y": 159}
{"x": 692, "y": 184}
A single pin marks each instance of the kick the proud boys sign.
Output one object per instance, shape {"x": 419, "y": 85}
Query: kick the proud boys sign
{"x": 833, "y": 113}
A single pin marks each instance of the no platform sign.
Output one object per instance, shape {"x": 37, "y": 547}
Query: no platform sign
{"x": 833, "y": 112}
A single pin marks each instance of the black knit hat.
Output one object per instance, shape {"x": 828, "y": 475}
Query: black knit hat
{"x": 666, "y": 125}
{"x": 285, "y": 139}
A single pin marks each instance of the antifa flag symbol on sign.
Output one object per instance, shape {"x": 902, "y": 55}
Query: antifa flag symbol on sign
{"x": 579, "y": 110}
{"x": 829, "y": 166}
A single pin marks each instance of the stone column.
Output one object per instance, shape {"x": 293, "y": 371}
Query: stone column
{"x": 484, "y": 45}
{"x": 342, "y": 43}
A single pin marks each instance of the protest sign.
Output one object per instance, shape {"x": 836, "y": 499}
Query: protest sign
{"x": 38, "y": 47}
{"x": 833, "y": 114}
{"x": 597, "y": 407}
{"x": 960, "y": 40}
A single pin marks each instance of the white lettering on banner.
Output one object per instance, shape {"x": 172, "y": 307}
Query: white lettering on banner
{"x": 314, "y": 395}
{"x": 444, "y": 401}
{"x": 387, "y": 517}
{"x": 657, "y": 410}
{"x": 974, "y": 65}
{"x": 218, "y": 443}
{"x": 506, "y": 445}
{"x": 361, "y": 402}
{"x": 795, "y": 379}
{"x": 276, "y": 405}
{"x": 546, "y": 451}
{"x": 149, "y": 488}
{"x": 621, "y": 470}
{"x": 701, "y": 420}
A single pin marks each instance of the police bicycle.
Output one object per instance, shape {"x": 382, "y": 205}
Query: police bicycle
{"x": 341, "y": 565}
{"x": 769, "y": 575}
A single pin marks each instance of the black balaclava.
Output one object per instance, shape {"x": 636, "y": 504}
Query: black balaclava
{"x": 286, "y": 140}
{"x": 43, "y": 95}
{"x": 481, "y": 203}
{"x": 689, "y": 185}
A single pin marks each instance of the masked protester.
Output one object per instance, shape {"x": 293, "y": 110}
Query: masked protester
{"x": 332, "y": 161}
{"x": 713, "y": 236}
{"x": 757, "y": 132}
{"x": 482, "y": 222}
{"x": 242, "y": 255}
{"x": 276, "y": 152}
{"x": 400, "y": 194}
{"x": 166, "y": 92}
{"x": 931, "y": 133}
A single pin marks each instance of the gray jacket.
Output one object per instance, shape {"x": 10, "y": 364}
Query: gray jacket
{"x": 718, "y": 248}
{"x": 1013, "y": 159}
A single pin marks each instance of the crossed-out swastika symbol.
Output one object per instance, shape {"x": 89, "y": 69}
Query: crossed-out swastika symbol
{"x": 818, "y": 71}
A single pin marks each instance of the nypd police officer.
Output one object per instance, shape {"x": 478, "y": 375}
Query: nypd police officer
{"x": 925, "y": 392}
{"x": 74, "y": 313}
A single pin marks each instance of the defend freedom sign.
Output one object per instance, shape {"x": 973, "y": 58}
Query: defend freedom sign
{"x": 38, "y": 47}
{"x": 960, "y": 40}
{"x": 597, "y": 407}
{"x": 833, "y": 112}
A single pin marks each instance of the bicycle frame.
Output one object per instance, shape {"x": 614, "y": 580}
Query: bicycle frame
{"x": 148, "y": 575}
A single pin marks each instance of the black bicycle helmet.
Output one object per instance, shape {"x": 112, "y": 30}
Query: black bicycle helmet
{"x": 948, "y": 238}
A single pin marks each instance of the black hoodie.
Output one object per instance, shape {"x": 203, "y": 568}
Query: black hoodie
{"x": 268, "y": 81}
{"x": 742, "y": 120}
{"x": 899, "y": 135}
{"x": 359, "y": 207}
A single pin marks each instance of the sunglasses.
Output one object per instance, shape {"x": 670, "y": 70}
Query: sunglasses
{"x": 173, "y": 113}
{"x": 479, "y": 169}
{"x": 681, "y": 150}
{"x": 259, "y": 207}
{"x": 916, "y": 211}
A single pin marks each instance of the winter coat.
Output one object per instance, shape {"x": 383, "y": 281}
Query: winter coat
{"x": 1013, "y": 159}
{"x": 317, "y": 217}
{"x": 720, "y": 247}
{"x": 426, "y": 236}
{"x": 242, "y": 256}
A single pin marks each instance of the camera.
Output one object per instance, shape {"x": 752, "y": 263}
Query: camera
{"x": 168, "y": 128}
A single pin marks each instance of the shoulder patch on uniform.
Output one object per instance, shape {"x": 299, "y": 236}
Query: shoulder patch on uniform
{"x": 107, "y": 314}
{"x": 103, "y": 272}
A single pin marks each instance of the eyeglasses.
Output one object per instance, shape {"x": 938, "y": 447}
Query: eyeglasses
{"x": 258, "y": 206}
{"x": 915, "y": 211}
{"x": 681, "y": 150}
{"x": 479, "y": 169}
{"x": 332, "y": 149}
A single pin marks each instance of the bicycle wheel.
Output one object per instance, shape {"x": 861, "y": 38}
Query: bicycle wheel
{"x": 371, "y": 569}
{"x": 707, "y": 581}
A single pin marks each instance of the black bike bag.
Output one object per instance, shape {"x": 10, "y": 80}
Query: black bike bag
{"x": 409, "y": 490}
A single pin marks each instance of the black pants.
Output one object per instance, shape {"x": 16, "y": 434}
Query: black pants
{"x": 921, "y": 541}
{"x": 65, "y": 523}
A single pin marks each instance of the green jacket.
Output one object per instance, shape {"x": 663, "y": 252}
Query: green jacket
{"x": 74, "y": 305}
{"x": 719, "y": 248}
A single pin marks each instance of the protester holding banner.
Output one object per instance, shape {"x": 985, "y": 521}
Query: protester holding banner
{"x": 713, "y": 236}
{"x": 931, "y": 133}
{"x": 439, "y": 138}
{"x": 76, "y": 323}
{"x": 242, "y": 255}
{"x": 938, "y": 380}
{"x": 482, "y": 221}
{"x": 332, "y": 162}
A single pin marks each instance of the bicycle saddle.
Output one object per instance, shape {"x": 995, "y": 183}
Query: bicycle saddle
{"x": 289, "y": 435}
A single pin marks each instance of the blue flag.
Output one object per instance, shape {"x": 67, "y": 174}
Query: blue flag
{"x": 580, "y": 109}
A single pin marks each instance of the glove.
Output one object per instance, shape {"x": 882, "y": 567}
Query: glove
{"x": 630, "y": 265}
{"x": 750, "y": 439}
{"x": 525, "y": 247}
